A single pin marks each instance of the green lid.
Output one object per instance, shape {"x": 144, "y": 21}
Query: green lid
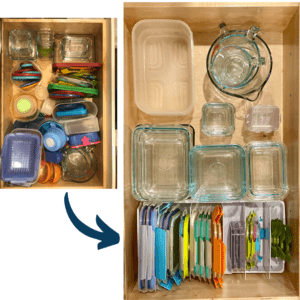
{"x": 24, "y": 105}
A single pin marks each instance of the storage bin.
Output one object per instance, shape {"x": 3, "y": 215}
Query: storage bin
{"x": 217, "y": 172}
{"x": 160, "y": 168}
{"x": 104, "y": 42}
{"x": 163, "y": 67}
{"x": 281, "y": 33}
{"x": 266, "y": 170}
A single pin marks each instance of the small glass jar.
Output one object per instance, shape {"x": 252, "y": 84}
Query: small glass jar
{"x": 45, "y": 44}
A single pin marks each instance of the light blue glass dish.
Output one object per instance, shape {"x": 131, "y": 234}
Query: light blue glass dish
{"x": 218, "y": 119}
{"x": 217, "y": 173}
{"x": 266, "y": 170}
{"x": 160, "y": 162}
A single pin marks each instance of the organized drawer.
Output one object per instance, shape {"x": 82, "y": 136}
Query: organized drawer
{"x": 58, "y": 79}
{"x": 242, "y": 160}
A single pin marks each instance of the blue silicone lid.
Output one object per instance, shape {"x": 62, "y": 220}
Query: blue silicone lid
{"x": 20, "y": 157}
{"x": 54, "y": 157}
{"x": 71, "y": 110}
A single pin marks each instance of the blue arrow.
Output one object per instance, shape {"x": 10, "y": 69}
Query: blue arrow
{"x": 108, "y": 236}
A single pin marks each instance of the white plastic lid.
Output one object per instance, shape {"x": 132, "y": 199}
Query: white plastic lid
{"x": 50, "y": 142}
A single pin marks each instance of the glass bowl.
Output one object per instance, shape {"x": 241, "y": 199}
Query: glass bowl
{"x": 217, "y": 173}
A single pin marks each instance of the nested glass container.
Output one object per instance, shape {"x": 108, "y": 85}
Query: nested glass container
{"x": 160, "y": 162}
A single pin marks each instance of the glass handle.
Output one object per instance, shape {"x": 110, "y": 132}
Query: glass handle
{"x": 223, "y": 28}
{"x": 252, "y": 33}
{"x": 257, "y": 62}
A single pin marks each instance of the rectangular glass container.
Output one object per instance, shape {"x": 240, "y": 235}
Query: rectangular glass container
{"x": 217, "y": 173}
{"x": 267, "y": 172}
{"x": 160, "y": 162}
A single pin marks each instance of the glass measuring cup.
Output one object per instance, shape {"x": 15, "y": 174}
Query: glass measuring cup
{"x": 239, "y": 63}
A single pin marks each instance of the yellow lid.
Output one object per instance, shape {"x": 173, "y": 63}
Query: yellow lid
{"x": 24, "y": 105}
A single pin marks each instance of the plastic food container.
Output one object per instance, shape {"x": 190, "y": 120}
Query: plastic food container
{"x": 78, "y": 165}
{"x": 218, "y": 119}
{"x": 25, "y": 108}
{"x": 84, "y": 139}
{"x": 263, "y": 118}
{"x": 79, "y": 126}
{"x": 22, "y": 44}
{"x": 160, "y": 161}
{"x": 89, "y": 111}
{"x": 163, "y": 67}
{"x": 217, "y": 173}
{"x": 267, "y": 171}
{"x": 48, "y": 106}
{"x": 21, "y": 157}
{"x": 53, "y": 135}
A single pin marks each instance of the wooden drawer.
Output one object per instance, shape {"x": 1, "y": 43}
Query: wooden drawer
{"x": 280, "y": 23}
{"x": 103, "y": 30}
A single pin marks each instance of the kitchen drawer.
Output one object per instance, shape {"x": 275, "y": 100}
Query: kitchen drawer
{"x": 103, "y": 30}
{"x": 280, "y": 25}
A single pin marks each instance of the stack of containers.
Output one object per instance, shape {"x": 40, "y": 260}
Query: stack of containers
{"x": 167, "y": 166}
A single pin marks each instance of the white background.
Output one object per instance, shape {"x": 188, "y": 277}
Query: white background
{"x": 42, "y": 255}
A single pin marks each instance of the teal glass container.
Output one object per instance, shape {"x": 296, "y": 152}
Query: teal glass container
{"x": 267, "y": 170}
{"x": 218, "y": 119}
{"x": 160, "y": 162}
{"x": 217, "y": 173}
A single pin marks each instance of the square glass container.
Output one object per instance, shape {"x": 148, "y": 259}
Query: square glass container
{"x": 217, "y": 173}
{"x": 267, "y": 171}
{"x": 218, "y": 119}
{"x": 263, "y": 118}
{"x": 160, "y": 162}
{"x": 22, "y": 44}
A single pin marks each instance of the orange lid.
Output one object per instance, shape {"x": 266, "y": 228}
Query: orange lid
{"x": 45, "y": 172}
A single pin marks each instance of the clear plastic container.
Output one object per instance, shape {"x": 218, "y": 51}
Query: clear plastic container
{"x": 25, "y": 108}
{"x": 217, "y": 173}
{"x": 160, "y": 156}
{"x": 22, "y": 44}
{"x": 21, "y": 157}
{"x": 218, "y": 119}
{"x": 91, "y": 107}
{"x": 263, "y": 118}
{"x": 48, "y": 106}
{"x": 163, "y": 67}
{"x": 267, "y": 171}
{"x": 81, "y": 126}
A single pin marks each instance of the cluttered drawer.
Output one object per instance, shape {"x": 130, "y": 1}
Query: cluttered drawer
{"x": 211, "y": 155}
{"x": 58, "y": 103}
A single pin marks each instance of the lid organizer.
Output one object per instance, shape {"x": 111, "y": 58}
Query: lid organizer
{"x": 267, "y": 171}
{"x": 163, "y": 67}
{"x": 217, "y": 173}
{"x": 218, "y": 119}
{"x": 160, "y": 156}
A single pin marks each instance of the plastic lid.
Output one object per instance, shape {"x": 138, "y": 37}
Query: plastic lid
{"x": 25, "y": 106}
{"x": 41, "y": 93}
{"x": 48, "y": 107}
{"x": 54, "y": 140}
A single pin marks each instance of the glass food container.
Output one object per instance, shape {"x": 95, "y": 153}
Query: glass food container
{"x": 217, "y": 173}
{"x": 160, "y": 162}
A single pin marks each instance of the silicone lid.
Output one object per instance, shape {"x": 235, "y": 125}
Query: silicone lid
{"x": 24, "y": 105}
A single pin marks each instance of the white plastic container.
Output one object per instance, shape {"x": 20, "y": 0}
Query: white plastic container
{"x": 163, "y": 67}
{"x": 79, "y": 126}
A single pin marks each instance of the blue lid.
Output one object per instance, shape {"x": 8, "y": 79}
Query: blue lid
{"x": 54, "y": 157}
{"x": 71, "y": 110}
{"x": 20, "y": 157}
{"x": 35, "y": 124}
{"x": 54, "y": 136}
{"x": 84, "y": 139}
